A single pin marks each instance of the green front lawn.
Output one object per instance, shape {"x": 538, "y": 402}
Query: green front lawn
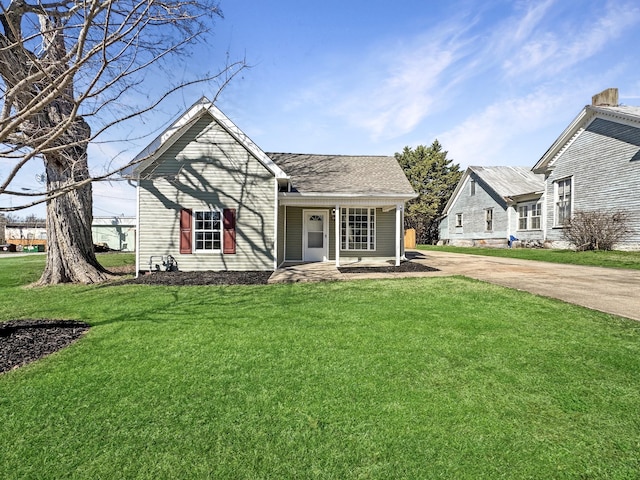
{"x": 410, "y": 378}
{"x": 613, "y": 259}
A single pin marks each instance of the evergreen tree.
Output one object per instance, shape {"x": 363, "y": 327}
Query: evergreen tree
{"x": 434, "y": 177}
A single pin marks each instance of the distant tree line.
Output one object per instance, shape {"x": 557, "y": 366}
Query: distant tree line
{"x": 11, "y": 218}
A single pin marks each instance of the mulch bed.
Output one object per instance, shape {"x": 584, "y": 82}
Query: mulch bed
{"x": 199, "y": 278}
{"x": 402, "y": 268}
{"x": 23, "y": 341}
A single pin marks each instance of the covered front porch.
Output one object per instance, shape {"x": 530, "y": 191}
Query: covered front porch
{"x": 366, "y": 231}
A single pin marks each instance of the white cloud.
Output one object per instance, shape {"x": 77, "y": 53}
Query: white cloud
{"x": 402, "y": 99}
{"x": 525, "y": 25}
{"x": 394, "y": 87}
{"x": 565, "y": 44}
{"x": 488, "y": 63}
{"x": 480, "y": 139}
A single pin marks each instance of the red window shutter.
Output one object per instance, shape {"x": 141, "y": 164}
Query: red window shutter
{"x": 229, "y": 235}
{"x": 185, "y": 230}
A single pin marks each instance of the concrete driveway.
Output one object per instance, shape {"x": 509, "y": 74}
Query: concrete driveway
{"x": 609, "y": 290}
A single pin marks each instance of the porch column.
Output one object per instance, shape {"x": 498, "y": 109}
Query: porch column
{"x": 337, "y": 235}
{"x": 509, "y": 208}
{"x": 402, "y": 246}
{"x": 399, "y": 235}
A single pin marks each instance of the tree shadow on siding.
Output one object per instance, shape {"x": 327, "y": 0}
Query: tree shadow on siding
{"x": 194, "y": 182}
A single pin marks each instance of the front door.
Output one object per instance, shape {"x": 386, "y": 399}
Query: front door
{"x": 315, "y": 235}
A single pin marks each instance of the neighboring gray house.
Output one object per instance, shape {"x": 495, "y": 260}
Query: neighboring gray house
{"x": 117, "y": 233}
{"x": 490, "y": 205}
{"x": 594, "y": 165}
{"x": 213, "y": 200}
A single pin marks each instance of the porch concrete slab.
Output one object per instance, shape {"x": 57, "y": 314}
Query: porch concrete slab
{"x": 307, "y": 272}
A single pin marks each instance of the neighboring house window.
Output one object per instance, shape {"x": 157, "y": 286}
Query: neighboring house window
{"x": 358, "y": 228}
{"x": 458, "y": 219}
{"x": 529, "y": 216}
{"x": 473, "y": 187}
{"x": 536, "y": 215}
{"x": 562, "y": 201}
{"x": 523, "y": 217}
{"x": 207, "y": 230}
{"x": 488, "y": 219}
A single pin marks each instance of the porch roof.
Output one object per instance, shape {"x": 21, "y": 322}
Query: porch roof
{"x": 344, "y": 175}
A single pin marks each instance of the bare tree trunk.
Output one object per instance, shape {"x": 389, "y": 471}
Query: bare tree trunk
{"x": 70, "y": 256}
{"x": 47, "y": 50}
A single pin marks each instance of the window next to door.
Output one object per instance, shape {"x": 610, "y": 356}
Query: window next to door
{"x": 358, "y": 228}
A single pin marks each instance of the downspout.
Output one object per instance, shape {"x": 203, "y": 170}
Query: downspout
{"x": 337, "y": 234}
{"x": 275, "y": 227}
{"x": 284, "y": 237}
{"x": 398, "y": 228}
{"x": 137, "y": 243}
{"x": 509, "y": 205}
{"x": 544, "y": 213}
{"x": 404, "y": 253}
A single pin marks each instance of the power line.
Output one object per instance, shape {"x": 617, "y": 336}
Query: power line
{"x": 117, "y": 198}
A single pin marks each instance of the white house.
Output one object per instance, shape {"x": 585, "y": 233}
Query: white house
{"x": 210, "y": 198}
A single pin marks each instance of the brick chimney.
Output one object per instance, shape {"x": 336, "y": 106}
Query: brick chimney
{"x": 606, "y": 98}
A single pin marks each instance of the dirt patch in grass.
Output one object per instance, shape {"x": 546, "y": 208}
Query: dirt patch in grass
{"x": 24, "y": 341}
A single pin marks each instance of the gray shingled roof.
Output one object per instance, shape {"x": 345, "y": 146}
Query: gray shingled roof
{"x": 343, "y": 174}
{"x": 510, "y": 181}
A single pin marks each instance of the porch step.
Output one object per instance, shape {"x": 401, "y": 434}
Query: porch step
{"x": 306, "y": 272}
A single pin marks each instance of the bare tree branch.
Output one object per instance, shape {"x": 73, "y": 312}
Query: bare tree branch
{"x": 66, "y": 63}
{"x": 38, "y": 83}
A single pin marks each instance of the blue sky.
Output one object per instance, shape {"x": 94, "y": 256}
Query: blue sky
{"x": 494, "y": 81}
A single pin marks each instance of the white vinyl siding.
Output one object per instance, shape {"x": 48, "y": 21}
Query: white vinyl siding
{"x": 208, "y": 170}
